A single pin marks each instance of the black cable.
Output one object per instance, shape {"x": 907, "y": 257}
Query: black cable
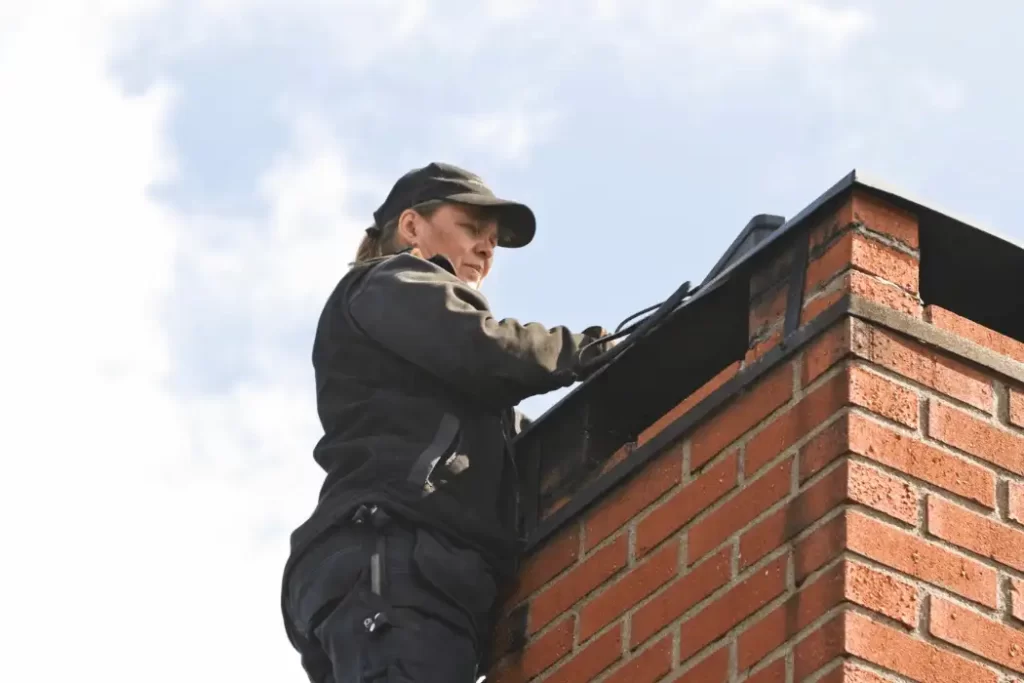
{"x": 637, "y": 315}
{"x": 635, "y": 331}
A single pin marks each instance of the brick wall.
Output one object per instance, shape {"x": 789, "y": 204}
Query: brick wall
{"x": 856, "y": 514}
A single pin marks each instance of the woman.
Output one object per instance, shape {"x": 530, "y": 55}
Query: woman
{"x": 397, "y": 573}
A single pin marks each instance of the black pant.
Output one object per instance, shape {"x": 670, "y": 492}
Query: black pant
{"x": 424, "y": 618}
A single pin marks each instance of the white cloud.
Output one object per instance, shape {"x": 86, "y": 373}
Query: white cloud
{"x": 509, "y": 136}
{"x": 146, "y": 529}
{"x": 712, "y": 46}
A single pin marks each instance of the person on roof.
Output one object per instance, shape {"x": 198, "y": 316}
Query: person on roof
{"x": 397, "y": 574}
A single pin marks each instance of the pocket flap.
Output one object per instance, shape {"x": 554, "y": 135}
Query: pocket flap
{"x": 460, "y": 574}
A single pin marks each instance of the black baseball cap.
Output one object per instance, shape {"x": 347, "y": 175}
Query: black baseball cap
{"x": 445, "y": 182}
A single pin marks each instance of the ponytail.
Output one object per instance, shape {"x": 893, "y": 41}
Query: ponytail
{"x": 384, "y": 240}
{"x": 369, "y": 248}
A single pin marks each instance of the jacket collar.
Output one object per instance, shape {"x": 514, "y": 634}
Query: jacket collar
{"x": 439, "y": 260}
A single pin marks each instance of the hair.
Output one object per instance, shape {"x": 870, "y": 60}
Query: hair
{"x": 386, "y": 241}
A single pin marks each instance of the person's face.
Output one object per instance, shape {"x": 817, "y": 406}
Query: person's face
{"x": 463, "y": 234}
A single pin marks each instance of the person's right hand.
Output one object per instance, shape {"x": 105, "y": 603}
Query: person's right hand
{"x": 585, "y": 363}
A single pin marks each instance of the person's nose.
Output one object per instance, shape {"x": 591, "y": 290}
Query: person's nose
{"x": 485, "y": 249}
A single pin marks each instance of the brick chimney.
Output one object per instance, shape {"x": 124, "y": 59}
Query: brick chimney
{"x": 813, "y": 471}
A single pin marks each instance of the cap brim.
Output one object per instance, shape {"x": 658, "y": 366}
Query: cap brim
{"x": 516, "y": 223}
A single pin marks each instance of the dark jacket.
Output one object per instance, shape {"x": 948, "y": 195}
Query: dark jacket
{"x": 416, "y": 385}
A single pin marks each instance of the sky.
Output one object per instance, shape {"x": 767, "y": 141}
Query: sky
{"x": 182, "y": 184}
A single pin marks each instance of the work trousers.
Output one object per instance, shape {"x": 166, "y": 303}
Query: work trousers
{"x": 387, "y": 602}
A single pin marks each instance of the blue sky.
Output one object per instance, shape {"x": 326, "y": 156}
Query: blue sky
{"x": 184, "y": 182}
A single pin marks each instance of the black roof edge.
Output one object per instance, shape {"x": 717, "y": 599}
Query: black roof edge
{"x": 755, "y": 232}
{"x": 730, "y": 267}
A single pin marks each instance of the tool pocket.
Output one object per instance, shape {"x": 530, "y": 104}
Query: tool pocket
{"x": 439, "y": 462}
{"x": 461, "y": 576}
{"x": 325, "y": 576}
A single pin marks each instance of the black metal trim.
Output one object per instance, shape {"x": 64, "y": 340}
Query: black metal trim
{"x": 761, "y": 223}
{"x": 597, "y": 489}
{"x": 531, "y": 491}
{"x": 852, "y": 180}
{"x": 797, "y": 280}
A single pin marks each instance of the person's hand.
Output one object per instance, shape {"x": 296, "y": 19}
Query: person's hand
{"x": 593, "y": 349}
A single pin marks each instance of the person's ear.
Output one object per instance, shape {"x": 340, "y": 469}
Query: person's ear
{"x": 408, "y": 227}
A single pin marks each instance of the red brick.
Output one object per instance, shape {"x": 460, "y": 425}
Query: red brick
{"x": 979, "y": 438}
{"x": 1016, "y": 502}
{"x": 852, "y": 481}
{"x": 979, "y": 334}
{"x": 807, "y": 508}
{"x": 539, "y": 654}
{"x": 647, "y": 486}
{"x": 887, "y": 263}
{"x": 865, "y": 254}
{"x": 834, "y": 260}
{"x": 1016, "y": 408}
{"x": 846, "y": 581}
{"x": 882, "y": 593}
{"x": 973, "y": 632}
{"x": 927, "y": 367}
{"x": 881, "y": 491}
{"x": 589, "y": 662}
{"x": 741, "y": 414}
{"x": 752, "y": 500}
{"x": 819, "y": 303}
{"x": 788, "y": 428}
{"x": 547, "y": 563}
{"x": 883, "y": 397}
{"x": 971, "y": 531}
{"x": 760, "y": 348}
{"x": 681, "y": 595}
{"x": 712, "y": 669}
{"x": 1017, "y": 599}
{"x": 882, "y": 293}
{"x": 826, "y": 350}
{"x": 792, "y": 616}
{"x": 629, "y": 590}
{"x": 768, "y": 309}
{"x": 865, "y": 287}
{"x": 648, "y": 666}
{"x": 852, "y": 673}
{"x": 837, "y": 674}
{"x": 826, "y": 446}
{"x": 738, "y": 603}
{"x": 856, "y": 386}
{"x": 694, "y": 498}
{"x": 916, "y": 557}
{"x": 773, "y": 673}
{"x": 819, "y": 647}
{"x": 576, "y": 584}
{"x": 891, "y": 649}
{"x": 882, "y": 218}
{"x": 820, "y": 547}
{"x": 689, "y": 402}
{"x": 829, "y": 228}
{"x": 910, "y": 456}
